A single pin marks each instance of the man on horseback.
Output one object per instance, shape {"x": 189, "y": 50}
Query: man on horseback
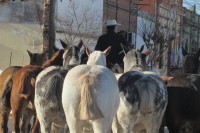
{"x": 113, "y": 39}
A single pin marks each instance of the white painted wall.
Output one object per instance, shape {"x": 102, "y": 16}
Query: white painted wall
{"x": 20, "y": 12}
{"x": 141, "y": 19}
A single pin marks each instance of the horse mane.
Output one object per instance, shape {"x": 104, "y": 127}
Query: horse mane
{"x": 54, "y": 58}
{"x": 88, "y": 108}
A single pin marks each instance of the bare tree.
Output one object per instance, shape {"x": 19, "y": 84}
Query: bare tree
{"x": 80, "y": 22}
{"x": 163, "y": 37}
{"x": 146, "y": 28}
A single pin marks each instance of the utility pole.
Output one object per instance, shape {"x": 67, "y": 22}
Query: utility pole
{"x": 156, "y": 29}
{"x": 175, "y": 41}
{"x": 129, "y": 15}
{"x": 116, "y": 14}
{"x": 48, "y": 28}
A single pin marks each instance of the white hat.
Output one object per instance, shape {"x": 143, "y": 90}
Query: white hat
{"x": 112, "y": 22}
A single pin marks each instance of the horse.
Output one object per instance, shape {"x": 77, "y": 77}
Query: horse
{"x": 37, "y": 58}
{"x": 143, "y": 97}
{"x": 48, "y": 90}
{"x": 23, "y": 91}
{"x": 90, "y": 94}
{"x": 191, "y": 63}
{"x": 190, "y": 66}
{"x": 183, "y": 109}
{"x": 183, "y": 95}
{"x": 6, "y": 79}
{"x": 118, "y": 68}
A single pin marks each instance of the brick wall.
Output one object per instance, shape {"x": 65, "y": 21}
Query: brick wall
{"x": 122, "y": 17}
{"x": 147, "y": 6}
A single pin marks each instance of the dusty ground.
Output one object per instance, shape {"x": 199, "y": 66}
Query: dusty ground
{"x": 16, "y": 39}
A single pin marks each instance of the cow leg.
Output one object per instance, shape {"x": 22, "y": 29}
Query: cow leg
{"x": 170, "y": 121}
{"x": 126, "y": 122}
{"x": 26, "y": 118}
{"x": 66, "y": 129}
{"x": 15, "y": 120}
{"x": 173, "y": 129}
{"x": 55, "y": 129}
{"x": 102, "y": 125}
{"x": 36, "y": 126}
{"x": 152, "y": 122}
{"x": 75, "y": 125}
{"x": 45, "y": 127}
{"x": 187, "y": 127}
{"x": 4, "y": 120}
{"x": 17, "y": 110}
{"x": 163, "y": 125}
{"x": 116, "y": 128}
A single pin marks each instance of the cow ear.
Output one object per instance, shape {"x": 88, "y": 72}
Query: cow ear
{"x": 141, "y": 49}
{"x": 65, "y": 45}
{"x": 29, "y": 53}
{"x": 107, "y": 51}
{"x": 88, "y": 50}
{"x": 198, "y": 52}
{"x": 184, "y": 52}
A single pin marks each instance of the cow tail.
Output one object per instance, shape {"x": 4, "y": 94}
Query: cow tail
{"x": 88, "y": 108}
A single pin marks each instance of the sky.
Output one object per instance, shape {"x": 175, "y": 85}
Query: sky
{"x": 188, "y": 3}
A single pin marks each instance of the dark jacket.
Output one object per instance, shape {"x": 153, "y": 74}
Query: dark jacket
{"x": 114, "y": 40}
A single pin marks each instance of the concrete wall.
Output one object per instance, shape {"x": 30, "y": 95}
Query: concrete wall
{"x": 19, "y": 31}
{"x": 21, "y": 12}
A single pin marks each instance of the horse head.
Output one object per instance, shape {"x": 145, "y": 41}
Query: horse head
{"x": 133, "y": 60}
{"x": 97, "y": 57}
{"x": 191, "y": 61}
{"x": 72, "y": 54}
{"x": 36, "y": 58}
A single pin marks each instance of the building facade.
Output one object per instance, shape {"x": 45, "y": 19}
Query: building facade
{"x": 124, "y": 11}
{"x": 171, "y": 16}
{"x": 191, "y": 30}
{"x": 167, "y": 16}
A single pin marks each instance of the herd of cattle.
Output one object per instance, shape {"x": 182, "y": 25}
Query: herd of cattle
{"x": 64, "y": 93}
